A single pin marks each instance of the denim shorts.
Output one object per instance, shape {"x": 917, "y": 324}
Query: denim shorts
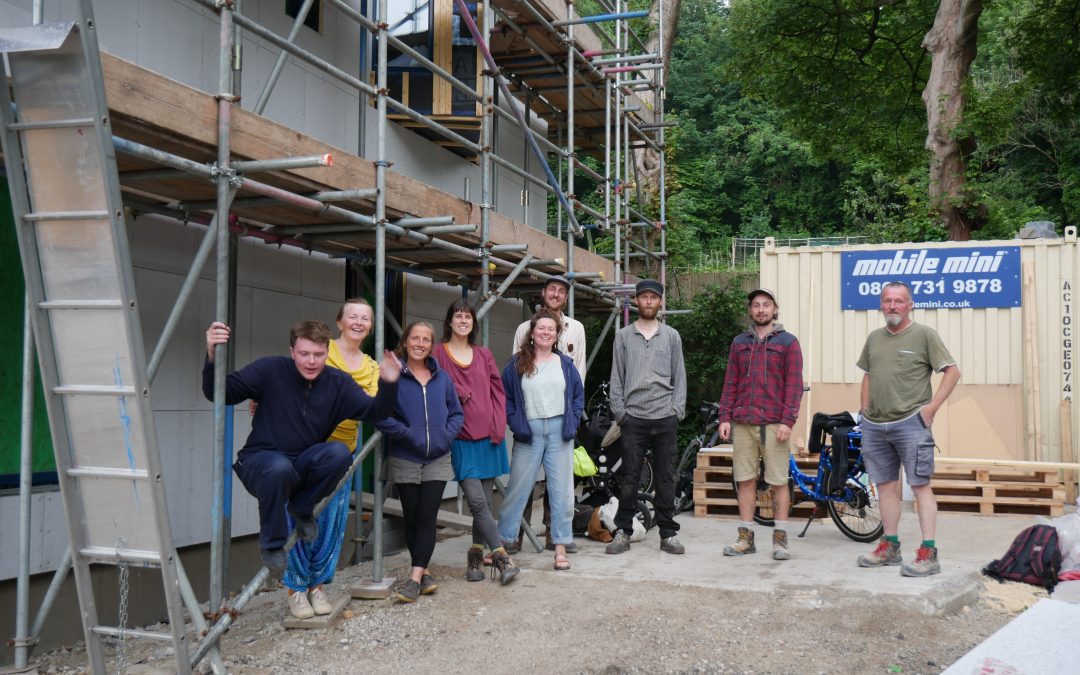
{"x": 887, "y": 445}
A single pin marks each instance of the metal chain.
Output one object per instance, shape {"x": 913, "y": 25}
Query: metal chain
{"x": 121, "y": 656}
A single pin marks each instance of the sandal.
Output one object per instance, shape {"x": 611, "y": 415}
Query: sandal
{"x": 562, "y": 563}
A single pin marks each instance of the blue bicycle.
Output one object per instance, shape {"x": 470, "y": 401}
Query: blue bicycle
{"x": 852, "y": 503}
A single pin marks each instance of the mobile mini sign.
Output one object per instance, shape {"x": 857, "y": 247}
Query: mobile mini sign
{"x": 939, "y": 278}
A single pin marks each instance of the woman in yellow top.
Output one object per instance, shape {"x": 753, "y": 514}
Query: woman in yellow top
{"x": 312, "y": 564}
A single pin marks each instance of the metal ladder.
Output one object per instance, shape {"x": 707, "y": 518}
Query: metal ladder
{"x": 61, "y": 166}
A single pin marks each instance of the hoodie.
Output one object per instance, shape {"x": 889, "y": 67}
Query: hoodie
{"x": 515, "y": 400}
{"x": 426, "y": 419}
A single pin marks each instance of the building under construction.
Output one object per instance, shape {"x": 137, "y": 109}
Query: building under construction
{"x": 173, "y": 162}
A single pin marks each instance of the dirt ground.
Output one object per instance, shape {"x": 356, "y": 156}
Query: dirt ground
{"x": 545, "y": 621}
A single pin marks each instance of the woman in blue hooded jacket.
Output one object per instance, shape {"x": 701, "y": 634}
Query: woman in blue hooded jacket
{"x": 544, "y": 402}
{"x": 419, "y": 435}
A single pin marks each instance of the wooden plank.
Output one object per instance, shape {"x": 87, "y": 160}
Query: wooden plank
{"x": 1033, "y": 428}
{"x": 319, "y": 621}
{"x": 158, "y": 105}
{"x": 443, "y": 20}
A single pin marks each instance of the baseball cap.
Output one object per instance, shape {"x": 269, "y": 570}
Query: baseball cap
{"x": 557, "y": 279}
{"x": 649, "y": 285}
{"x": 758, "y": 291}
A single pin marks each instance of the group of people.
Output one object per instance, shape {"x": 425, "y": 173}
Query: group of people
{"x": 763, "y": 388}
{"x": 444, "y": 408}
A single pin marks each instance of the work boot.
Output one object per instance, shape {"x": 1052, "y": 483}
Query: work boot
{"x": 409, "y": 592}
{"x": 672, "y": 545}
{"x": 474, "y": 562}
{"x": 507, "y": 570}
{"x": 428, "y": 585}
{"x": 319, "y": 602}
{"x": 926, "y": 563}
{"x": 886, "y": 553}
{"x": 620, "y": 544}
{"x": 779, "y": 545}
{"x": 743, "y": 545}
{"x": 299, "y": 606}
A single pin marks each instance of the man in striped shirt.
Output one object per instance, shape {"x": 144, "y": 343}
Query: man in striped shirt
{"x": 648, "y": 399}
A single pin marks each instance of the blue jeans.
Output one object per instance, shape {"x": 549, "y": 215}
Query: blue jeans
{"x": 547, "y": 448}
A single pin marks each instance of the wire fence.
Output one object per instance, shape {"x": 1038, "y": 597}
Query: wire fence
{"x": 745, "y": 252}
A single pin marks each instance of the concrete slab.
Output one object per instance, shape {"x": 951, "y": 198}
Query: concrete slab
{"x": 319, "y": 620}
{"x": 1035, "y": 642}
{"x": 1067, "y": 591}
{"x": 368, "y": 589}
{"x": 821, "y": 572}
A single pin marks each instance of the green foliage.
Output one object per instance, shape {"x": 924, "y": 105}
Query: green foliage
{"x": 719, "y": 314}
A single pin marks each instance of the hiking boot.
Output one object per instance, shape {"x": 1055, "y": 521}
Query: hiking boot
{"x": 474, "y": 561}
{"x": 409, "y": 592}
{"x": 299, "y": 606}
{"x": 507, "y": 570}
{"x": 428, "y": 585}
{"x": 620, "y": 544}
{"x": 275, "y": 560}
{"x": 743, "y": 545}
{"x": 319, "y": 602}
{"x": 779, "y": 545}
{"x": 925, "y": 563}
{"x": 672, "y": 545}
{"x": 886, "y": 553}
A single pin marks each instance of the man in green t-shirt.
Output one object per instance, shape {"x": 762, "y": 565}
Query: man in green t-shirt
{"x": 898, "y": 409}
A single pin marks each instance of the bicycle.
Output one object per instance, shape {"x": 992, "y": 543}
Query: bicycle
{"x": 854, "y": 507}
{"x": 687, "y": 461}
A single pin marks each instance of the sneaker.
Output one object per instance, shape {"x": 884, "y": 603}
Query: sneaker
{"x": 319, "y": 602}
{"x": 779, "y": 545}
{"x": 274, "y": 559}
{"x": 507, "y": 570}
{"x": 409, "y": 592}
{"x": 620, "y": 544}
{"x": 743, "y": 545}
{"x": 886, "y": 553}
{"x": 672, "y": 545}
{"x": 428, "y": 585}
{"x": 925, "y": 564}
{"x": 299, "y": 606}
{"x": 307, "y": 528}
{"x": 474, "y": 561}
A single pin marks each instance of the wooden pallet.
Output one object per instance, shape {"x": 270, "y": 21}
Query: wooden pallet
{"x": 997, "y": 490}
{"x": 714, "y": 495}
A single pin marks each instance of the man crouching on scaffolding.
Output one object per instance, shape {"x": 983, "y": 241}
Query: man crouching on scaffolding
{"x": 286, "y": 462}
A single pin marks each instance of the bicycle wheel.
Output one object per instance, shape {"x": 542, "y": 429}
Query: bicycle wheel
{"x": 684, "y": 476}
{"x": 645, "y": 482}
{"x": 646, "y": 511}
{"x": 856, "y": 512}
{"x": 763, "y": 501}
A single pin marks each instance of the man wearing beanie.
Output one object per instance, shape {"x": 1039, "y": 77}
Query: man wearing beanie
{"x": 648, "y": 399}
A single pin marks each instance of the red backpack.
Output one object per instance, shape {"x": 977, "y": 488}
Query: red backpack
{"x": 1034, "y": 557}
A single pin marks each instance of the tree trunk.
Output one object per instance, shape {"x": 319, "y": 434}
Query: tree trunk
{"x": 646, "y": 160}
{"x": 952, "y": 46}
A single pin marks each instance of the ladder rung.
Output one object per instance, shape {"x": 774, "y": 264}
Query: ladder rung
{"x": 101, "y": 389}
{"x": 81, "y": 304}
{"x": 66, "y": 215}
{"x": 131, "y": 632}
{"x": 107, "y": 472}
{"x": 117, "y": 556}
{"x": 52, "y": 124}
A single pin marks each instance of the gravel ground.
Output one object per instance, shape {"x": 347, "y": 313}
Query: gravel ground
{"x": 545, "y": 621}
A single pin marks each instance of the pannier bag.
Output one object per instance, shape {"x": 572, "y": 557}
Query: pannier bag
{"x": 1033, "y": 558}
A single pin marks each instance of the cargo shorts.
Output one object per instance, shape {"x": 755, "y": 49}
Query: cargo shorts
{"x": 887, "y": 445}
{"x": 754, "y": 443}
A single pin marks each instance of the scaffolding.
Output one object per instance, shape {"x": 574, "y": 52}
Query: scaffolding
{"x": 584, "y": 84}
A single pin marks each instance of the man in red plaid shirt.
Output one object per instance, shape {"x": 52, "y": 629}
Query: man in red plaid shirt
{"x": 763, "y": 388}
